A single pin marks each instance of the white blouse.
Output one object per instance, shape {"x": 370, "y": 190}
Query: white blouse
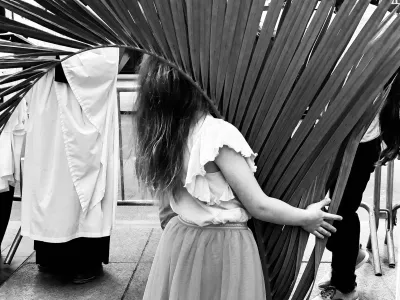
{"x": 373, "y": 132}
{"x": 207, "y": 198}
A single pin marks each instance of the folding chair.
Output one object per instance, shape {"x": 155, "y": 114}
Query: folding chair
{"x": 376, "y": 213}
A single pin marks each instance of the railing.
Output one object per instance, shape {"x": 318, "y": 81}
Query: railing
{"x": 121, "y": 158}
{"x": 124, "y": 201}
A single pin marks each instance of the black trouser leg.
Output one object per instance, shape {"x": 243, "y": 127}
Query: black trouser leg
{"x": 345, "y": 243}
{"x": 6, "y": 200}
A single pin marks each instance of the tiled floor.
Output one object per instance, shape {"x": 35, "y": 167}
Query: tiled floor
{"x": 25, "y": 248}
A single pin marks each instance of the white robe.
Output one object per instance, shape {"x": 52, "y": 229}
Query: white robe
{"x": 71, "y": 157}
{"x": 11, "y": 142}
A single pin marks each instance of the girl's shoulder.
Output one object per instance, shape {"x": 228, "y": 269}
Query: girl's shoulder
{"x": 208, "y": 137}
{"x": 210, "y": 134}
{"x": 214, "y": 127}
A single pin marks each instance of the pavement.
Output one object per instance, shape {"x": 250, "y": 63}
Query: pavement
{"x": 133, "y": 245}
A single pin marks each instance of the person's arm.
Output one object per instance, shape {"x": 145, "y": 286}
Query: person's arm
{"x": 239, "y": 176}
{"x": 165, "y": 211}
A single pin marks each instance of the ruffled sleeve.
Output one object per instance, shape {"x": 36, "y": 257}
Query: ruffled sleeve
{"x": 211, "y": 135}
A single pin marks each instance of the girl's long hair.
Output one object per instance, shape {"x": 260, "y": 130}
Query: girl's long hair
{"x": 389, "y": 120}
{"x": 168, "y": 106}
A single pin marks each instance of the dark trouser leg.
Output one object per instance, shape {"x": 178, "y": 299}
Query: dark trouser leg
{"x": 6, "y": 200}
{"x": 345, "y": 243}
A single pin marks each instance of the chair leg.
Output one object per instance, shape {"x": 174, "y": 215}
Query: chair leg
{"x": 394, "y": 220}
{"x": 377, "y": 201}
{"x": 373, "y": 239}
{"x": 389, "y": 220}
{"x": 390, "y": 243}
{"x": 13, "y": 248}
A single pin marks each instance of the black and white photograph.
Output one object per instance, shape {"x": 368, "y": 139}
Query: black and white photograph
{"x": 199, "y": 149}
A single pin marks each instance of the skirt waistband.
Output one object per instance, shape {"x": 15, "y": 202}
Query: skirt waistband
{"x": 236, "y": 225}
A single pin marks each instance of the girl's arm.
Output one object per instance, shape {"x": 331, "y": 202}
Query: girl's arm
{"x": 241, "y": 179}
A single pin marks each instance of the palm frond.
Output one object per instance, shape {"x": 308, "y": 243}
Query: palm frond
{"x": 19, "y": 28}
{"x": 289, "y": 80}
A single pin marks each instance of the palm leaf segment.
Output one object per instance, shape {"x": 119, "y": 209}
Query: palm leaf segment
{"x": 264, "y": 71}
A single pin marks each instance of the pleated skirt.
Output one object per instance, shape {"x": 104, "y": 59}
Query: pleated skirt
{"x": 206, "y": 263}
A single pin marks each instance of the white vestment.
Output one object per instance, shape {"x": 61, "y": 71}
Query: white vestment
{"x": 71, "y": 157}
{"x": 11, "y": 141}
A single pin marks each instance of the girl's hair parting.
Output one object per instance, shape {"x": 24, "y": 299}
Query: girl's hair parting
{"x": 389, "y": 120}
{"x": 168, "y": 106}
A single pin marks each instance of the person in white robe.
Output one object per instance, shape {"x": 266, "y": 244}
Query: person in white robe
{"x": 71, "y": 164}
{"x": 11, "y": 144}
{"x": 11, "y": 140}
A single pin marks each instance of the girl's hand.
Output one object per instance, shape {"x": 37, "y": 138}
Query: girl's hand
{"x": 316, "y": 221}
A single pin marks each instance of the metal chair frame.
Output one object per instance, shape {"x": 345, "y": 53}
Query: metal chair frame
{"x": 376, "y": 213}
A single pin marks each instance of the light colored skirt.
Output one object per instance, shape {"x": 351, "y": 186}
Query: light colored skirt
{"x": 206, "y": 263}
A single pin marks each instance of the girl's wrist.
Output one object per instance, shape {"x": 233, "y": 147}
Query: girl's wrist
{"x": 305, "y": 217}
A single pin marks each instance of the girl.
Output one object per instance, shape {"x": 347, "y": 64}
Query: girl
{"x": 204, "y": 167}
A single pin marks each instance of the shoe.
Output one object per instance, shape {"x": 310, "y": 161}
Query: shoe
{"x": 331, "y": 293}
{"x": 87, "y": 275}
{"x": 362, "y": 258}
{"x": 45, "y": 269}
